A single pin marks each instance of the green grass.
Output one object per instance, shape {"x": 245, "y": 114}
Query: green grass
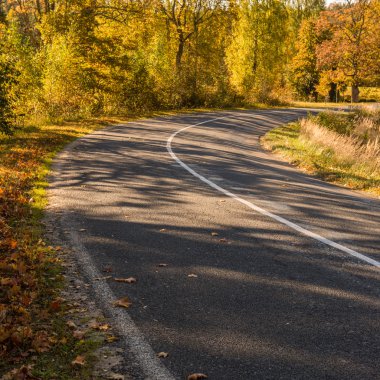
{"x": 56, "y": 363}
{"x": 317, "y": 159}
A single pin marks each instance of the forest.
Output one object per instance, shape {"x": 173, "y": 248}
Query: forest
{"x": 69, "y": 67}
{"x": 64, "y": 59}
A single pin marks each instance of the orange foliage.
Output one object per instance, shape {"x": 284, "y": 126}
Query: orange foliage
{"x": 23, "y": 256}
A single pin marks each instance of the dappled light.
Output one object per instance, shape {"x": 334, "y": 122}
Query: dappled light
{"x": 215, "y": 280}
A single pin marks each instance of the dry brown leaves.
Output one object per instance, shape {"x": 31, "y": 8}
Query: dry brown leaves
{"x": 129, "y": 280}
{"x": 42, "y": 342}
{"x": 79, "y": 361}
{"x": 71, "y": 324}
{"x": 79, "y": 334}
{"x": 102, "y": 278}
{"x": 23, "y": 373}
{"x": 99, "y": 326}
{"x": 162, "y": 354}
{"x": 111, "y": 338}
{"x": 123, "y": 302}
{"x": 25, "y": 261}
{"x": 197, "y": 376}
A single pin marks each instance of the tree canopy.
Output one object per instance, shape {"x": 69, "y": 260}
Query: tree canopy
{"x": 77, "y": 58}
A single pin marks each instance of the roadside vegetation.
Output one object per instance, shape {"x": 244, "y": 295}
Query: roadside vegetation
{"x": 33, "y": 330}
{"x": 341, "y": 147}
{"x": 65, "y": 62}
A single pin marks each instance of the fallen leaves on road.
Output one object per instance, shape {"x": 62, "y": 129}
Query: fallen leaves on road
{"x": 129, "y": 280}
{"x": 223, "y": 240}
{"x": 102, "y": 278}
{"x": 162, "y": 354}
{"x": 197, "y": 376}
{"x": 192, "y": 275}
{"x": 123, "y": 302}
{"x": 116, "y": 376}
{"x": 79, "y": 361}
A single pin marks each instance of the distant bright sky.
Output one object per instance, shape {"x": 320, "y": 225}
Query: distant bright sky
{"x": 328, "y": 2}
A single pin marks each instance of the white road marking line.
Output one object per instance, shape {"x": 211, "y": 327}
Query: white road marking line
{"x": 257, "y": 208}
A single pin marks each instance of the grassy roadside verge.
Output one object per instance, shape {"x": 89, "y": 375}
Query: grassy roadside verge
{"x": 332, "y": 156}
{"x": 34, "y": 337}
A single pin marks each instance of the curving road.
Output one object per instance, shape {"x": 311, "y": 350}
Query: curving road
{"x": 275, "y": 290}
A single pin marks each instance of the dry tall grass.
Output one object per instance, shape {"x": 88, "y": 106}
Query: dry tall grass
{"x": 352, "y": 150}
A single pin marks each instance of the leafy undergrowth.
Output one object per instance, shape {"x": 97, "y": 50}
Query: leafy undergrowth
{"x": 32, "y": 328}
{"x": 341, "y": 158}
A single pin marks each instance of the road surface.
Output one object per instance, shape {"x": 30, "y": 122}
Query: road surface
{"x": 248, "y": 292}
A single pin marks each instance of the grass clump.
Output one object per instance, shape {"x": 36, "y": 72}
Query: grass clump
{"x": 343, "y": 148}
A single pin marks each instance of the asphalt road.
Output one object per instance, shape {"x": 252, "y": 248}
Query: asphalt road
{"x": 268, "y": 302}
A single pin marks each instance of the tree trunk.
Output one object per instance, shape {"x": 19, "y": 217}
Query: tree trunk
{"x": 332, "y": 93}
{"x": 181, "y": 46}
{"x": 355, "y": 93}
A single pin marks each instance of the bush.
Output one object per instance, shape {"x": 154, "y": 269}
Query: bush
{"x": 362, "y": 123}
{"x": 340, "y": 122}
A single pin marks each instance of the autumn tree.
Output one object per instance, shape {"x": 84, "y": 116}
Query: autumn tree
{"x": 305, "y": 9}
{"x": 186, "y": 16}
{"x": 348, "y": 49}
{"x": 256, "y": 56}
{"x": 305, "y": 75}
